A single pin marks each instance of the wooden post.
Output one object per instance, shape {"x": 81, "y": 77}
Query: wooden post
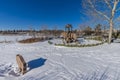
{"x": 21, "y": 63}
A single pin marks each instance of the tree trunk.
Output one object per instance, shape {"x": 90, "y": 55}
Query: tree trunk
{"x": 110, "y": 31}
{"x": 111, "y": 20}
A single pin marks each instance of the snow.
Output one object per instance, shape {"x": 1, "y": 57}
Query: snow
{"x": 13, "y": 38}
{"x": 50, "y": 62}
{"x": 116, "y": 41}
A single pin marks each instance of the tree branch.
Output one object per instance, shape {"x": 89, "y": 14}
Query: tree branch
{"x": 117, "y": 19}
{"x": 114, "y": 8}
{"x": 108, "y": 4}
{"x": 118, "y": 9}
{"x": 99, "y": 12}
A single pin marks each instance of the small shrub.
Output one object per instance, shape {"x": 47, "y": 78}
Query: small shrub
{"x": 98, "y": 38}
{"x": 31, "y": 40}
{"x": 50, "y": 42}
{"x": 88, "y": 45}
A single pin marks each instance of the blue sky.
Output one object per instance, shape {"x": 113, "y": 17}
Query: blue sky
{"x": 21, "y": 14}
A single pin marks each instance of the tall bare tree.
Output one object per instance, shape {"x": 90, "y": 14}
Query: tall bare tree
{"x": 44, "y": 29}
{"x": 88, "y": 30}
{"x": 107, "y": 9}
{"x": 55, "y": 30}
{"x": 32, "y": 32}
{"x": 81, "y": 28}
{"x": 98, "y": 29}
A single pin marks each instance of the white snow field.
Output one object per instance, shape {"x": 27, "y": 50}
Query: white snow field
{"x": 13, "y": 38}
{"x": 50, "y": 62}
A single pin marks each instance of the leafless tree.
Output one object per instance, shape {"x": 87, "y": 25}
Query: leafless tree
{"x": 98, "y": 29}
{"x": 88, "y": 30}
{"x": 44, "y": 29}
{"x": 107, "y": 9}
{"x": 32, "y": 32}
{"x": 81, "y": 29}
{"x": 55, "y": 30}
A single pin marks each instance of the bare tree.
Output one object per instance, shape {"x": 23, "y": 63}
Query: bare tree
{"x": 98, "y": 29}
{"x": 104, "y": 29}
{"x": 81, "y": 29}
{"x": 55, "y": 30}
{"x": 32, "y": 32}
{"x": 44, "y": 29}
{"x": 88, "y": 30}
{"x": 107, "y": 9}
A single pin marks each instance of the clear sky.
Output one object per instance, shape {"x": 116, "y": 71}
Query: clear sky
{"x": 21, "y": 14}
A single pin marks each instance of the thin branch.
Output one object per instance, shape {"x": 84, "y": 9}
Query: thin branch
{"x": 99, "y": 12}
{"x": 117, "y": 19}
{"x": 108, "y": 4}
{"x": 118, "y": 9}
{"x": 117, "y": 0}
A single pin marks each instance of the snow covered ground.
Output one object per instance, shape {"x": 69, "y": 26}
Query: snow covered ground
{"x": 50, "y": 62}
{"x": 13, "y": 38}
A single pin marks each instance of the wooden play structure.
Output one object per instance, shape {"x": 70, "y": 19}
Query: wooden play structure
{"x": 21, "y": 63}
{"x": 68, "y": 35}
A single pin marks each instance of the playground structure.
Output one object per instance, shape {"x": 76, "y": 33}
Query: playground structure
{"x": 68, "y": 35}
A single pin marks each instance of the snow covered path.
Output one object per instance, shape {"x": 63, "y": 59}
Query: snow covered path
{"x": 49, "y": 62}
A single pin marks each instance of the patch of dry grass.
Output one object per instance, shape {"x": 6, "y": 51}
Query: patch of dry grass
{"x": 31, "y": 40}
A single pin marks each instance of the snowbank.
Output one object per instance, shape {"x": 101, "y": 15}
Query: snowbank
{"x": 48, "y": 62}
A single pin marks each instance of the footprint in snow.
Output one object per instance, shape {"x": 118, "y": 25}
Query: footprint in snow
{"x": 8, "y": 70}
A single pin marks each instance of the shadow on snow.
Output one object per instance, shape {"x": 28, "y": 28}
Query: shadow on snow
{"x": 36, "y": 63}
